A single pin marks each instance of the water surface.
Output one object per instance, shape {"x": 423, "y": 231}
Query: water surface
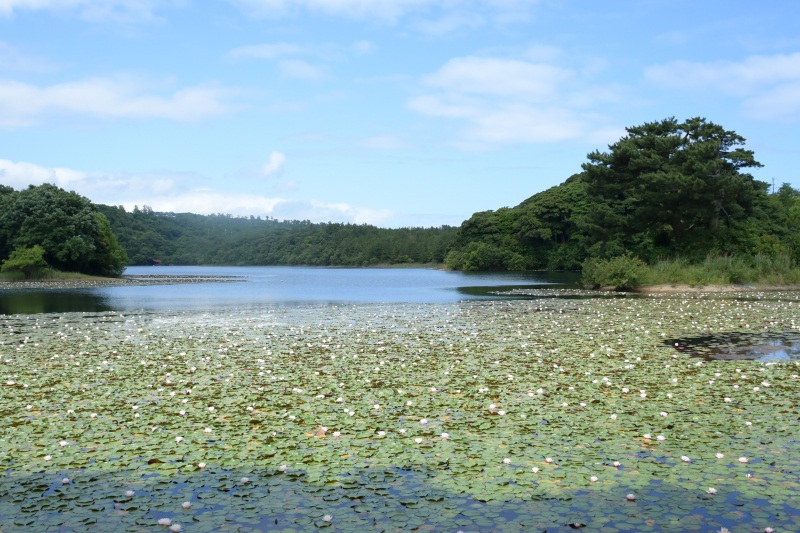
{"x": 260, "y": 286}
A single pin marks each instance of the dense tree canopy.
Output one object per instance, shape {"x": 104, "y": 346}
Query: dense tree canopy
{"x": 190, "y": 239}
{"x": 666, "y": 189}
{"x": 669, "y": 186}
{"x": 75, "y": 236}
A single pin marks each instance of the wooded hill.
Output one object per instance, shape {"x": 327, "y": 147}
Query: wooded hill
{"x": 665, "y": 190}
{"x": 189, "y": 239}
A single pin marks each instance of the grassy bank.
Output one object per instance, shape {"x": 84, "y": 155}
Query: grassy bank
{"x": 626, "y": 272}
{"x": 49, "y": 275}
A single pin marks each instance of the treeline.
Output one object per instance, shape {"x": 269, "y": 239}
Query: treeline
{"x": 665, "y": 190}
{"x": 190, "y": 239}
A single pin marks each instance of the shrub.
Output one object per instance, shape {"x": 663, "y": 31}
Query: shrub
{"x": 620, "y": 273}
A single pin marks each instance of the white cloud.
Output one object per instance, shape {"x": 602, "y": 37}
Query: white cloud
{"x": 297, "y": 69}
{"x": 445, "y": 15}
{"x": 768, "y": 86}
{"x": 175, "y": 192}
{"x": 502, "y": 77}
{"x": 24, "y": 104}
{"x": 383, "y": 9}
{"x": 275, "y": 163}
{"x": 383, "y": 142}
{"x": 511, "y": 100}
{"x": 21, "y": 174}
{"x": 121, "y": 10}
{"x": 13, "y": 59}
{"x": 267, "y": 50}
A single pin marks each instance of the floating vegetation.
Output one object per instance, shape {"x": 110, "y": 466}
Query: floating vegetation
{"x": 515, "y": 415}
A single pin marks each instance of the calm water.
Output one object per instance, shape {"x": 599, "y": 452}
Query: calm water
{"x": 280, "y": 286}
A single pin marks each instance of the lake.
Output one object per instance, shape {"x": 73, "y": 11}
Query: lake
{"x": 259, "y": 286}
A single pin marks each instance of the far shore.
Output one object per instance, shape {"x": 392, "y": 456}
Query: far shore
{"x": 166, "y": 279}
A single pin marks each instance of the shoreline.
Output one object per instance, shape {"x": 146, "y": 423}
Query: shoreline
{"x": 132, "y": 280}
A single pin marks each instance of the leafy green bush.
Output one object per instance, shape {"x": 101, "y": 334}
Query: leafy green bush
{"x": 25, "y": 260}
{"x": 620, "y": 273}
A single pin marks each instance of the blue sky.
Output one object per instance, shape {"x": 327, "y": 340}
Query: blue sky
{"x": 387, "y": 112}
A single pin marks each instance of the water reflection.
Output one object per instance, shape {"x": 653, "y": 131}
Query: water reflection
{"x": 741, "y": 346}
{"x": 47, "y": 301}
{"x": 280, "y": 286}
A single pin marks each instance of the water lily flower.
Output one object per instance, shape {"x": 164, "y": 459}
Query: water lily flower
{"x": 617, "y": 464}
{"x": 201, "y": 465}
{"x": 646, "y": 436}
{"x": 48, "y": 457}
{"x": 593, "y": 479}
{"x": 381, "y": 433}
{"x": 402, "y": 431}
{"x": 208, "y": 430}
{"x": 711, "y": 490}
{"x": 445, "y": 435}
{"x": 685, "y": 459}
{"x": 175, "y": 528}
{"x": 164, "y": 522}
{"x": 327, "y": 518}
{"x": 186, "y": 505}
{"x": 129, "y": 494}
{"x": 661, "y": 438}
{"x": 613, "y": 417}
{"x": 743, "y": 459}
{"x": 720, "y": 455}
{"x": 62, "y": 443}
{"x": 66, "y": 481}
{"x": 423, "y": 421}
{"x": 548, "y": 459}
{"x": 631, "y": 497}
{"x": 337, "y": 434}
{"x": 535, "y": 469}
{"x": 418, "y": 440}
{"x": 507, "y": 461}
{"x": 245, "y": 480}
{"x": 501, "y": 413}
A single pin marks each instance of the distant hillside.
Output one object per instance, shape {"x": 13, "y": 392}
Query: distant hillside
{"x": 190, "y": 239}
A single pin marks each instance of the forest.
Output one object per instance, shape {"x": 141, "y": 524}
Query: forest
{"x": 188, "y": 239}
{"x": 666, "y": 190}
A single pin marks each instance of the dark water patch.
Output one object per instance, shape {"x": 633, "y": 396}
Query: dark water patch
{"x": 741, "y": 346}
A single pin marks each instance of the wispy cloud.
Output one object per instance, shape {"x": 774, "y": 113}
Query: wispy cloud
{"x": 23, "y": 104}
{"x": 512, "y": 100}
{"x": 429, "y": 16}
{"x": 94, "y": 10}
{"x": 768, "y": 87}
{"x": 179, "y": 193}
{"x": 15, "y": 60}
{"x": 275, "y": 163}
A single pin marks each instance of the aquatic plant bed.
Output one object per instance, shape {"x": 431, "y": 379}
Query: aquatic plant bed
{"x": 520, "y": 415}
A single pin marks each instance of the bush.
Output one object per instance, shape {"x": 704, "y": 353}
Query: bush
{"x": 623, "y": 272}
{"x": 25, "y": 260}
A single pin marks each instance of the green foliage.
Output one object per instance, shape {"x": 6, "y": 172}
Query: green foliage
{"x": 190, "y": 239}
{"x": 620, "y": 273}
{"x": 666, "y": 189}
{"x": 74, "y": 235}
{"x": 715, "y": 269}
{"x": 670, "y": 187}
{"x": 25, "y": 260}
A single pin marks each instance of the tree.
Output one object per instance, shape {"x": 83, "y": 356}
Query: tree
{"x": 73, "y": 233}
{"x": 668, "y": 186}
{"x": 25, "y": 260}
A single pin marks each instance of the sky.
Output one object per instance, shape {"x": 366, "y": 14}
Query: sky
{"x": 395, "y": 113}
